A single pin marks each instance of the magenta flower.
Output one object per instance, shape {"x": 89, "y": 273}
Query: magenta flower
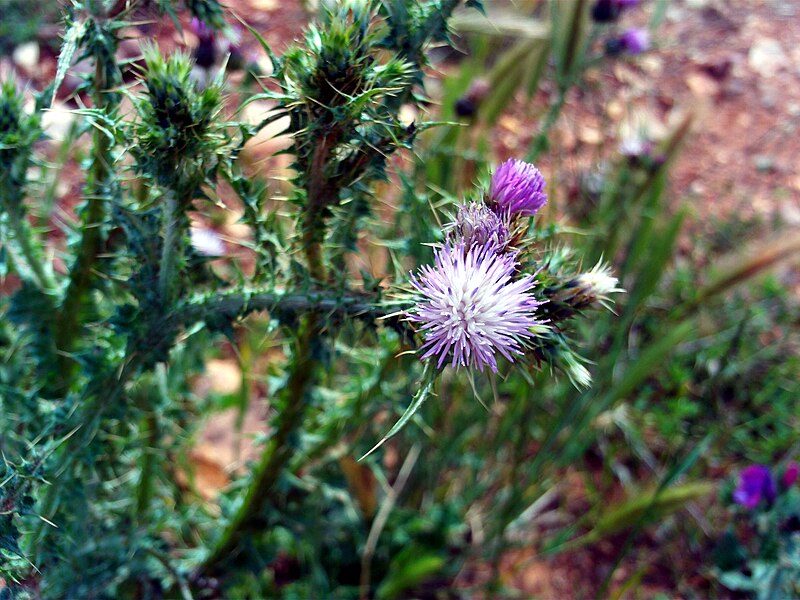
{"x": 635, "y": 40}
{"x": 476, "y": 226}
{"x": 517, "y": 189}
{"x": 755, "y": 484}
{"x": 470, "y": 308}
{"x": 201, "y": 29}
{"x": 790, "y": 475}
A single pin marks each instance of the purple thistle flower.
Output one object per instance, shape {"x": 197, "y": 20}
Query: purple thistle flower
{"x": 755, "y": 484}
{"x": 205, "y": 54}
{"x": 201, "y": 29}
{"x": 517, "y": 188}
{"x": 476, "y": 225}
{"x": 469, "y": 307}
{"x": 635, "y": 40}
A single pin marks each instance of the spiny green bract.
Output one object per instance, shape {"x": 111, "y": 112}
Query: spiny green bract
{"x": 339, "y": 62}
{"x": 18, "y": 131}
{"x": 178, "y": 132}
{"x": 207, "y": 11}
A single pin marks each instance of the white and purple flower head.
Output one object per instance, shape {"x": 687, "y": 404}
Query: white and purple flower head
{"x": 470, "y": 307}
{"x": 476, "y": 225}
{"x": 635, "y": 40}
{"x": 517, "y": 189}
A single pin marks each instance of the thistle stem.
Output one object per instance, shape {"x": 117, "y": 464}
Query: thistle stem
{"x": 145, "y": 490}
{"x": 278, "y": 451}
{"x": 170, "y": 252}
{"x": 68, "y": 322}
{"x": 320, "y": 197}
{"x": 242, "y": 302}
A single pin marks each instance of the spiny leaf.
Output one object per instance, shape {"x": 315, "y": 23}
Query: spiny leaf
{"x": 428, "y": 378}
{"x": 71, "y": 38}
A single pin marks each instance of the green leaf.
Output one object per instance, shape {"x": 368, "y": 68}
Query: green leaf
{"x": 652, "y": 505}
{"x": 409, "y": 568}
{"x": 71, "y": 39}
{"x": 428, "y": 378}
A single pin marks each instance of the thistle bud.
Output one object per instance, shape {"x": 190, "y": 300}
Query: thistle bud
{"x": 467, "y": 106}
{"x": 594, "y": 287}
{"x": 477, "y": 226}
{"x": 517, "y": 189}
{"x": 577, "y": 373}
{"x": 579, "y": 292}
{"x": 176, "y": 131}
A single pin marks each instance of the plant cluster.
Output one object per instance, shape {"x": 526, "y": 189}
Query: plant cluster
{"x": 399, "y": 323}
{"x": 96, "y": 399}
{"x": 761, "y": 554}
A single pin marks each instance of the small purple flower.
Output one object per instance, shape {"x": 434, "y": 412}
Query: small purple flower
{"x": 205, "y": 54}
{"x": 470, "y": 308}
{"x": 635, "y": 40}
{"x": 517, "y": 189}
{"x": 790, "y": 475}
{"x": 201, "y": 29}
{"x": 476, "y": 225}
{"x": 755, "y": 484}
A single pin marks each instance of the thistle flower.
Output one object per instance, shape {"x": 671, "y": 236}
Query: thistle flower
{"x": 755, "y": 484}
{"x": 517, "y": 188}
{"x": 635, "y": 40}
{"x": 595, "y": 285}
{"x": 205, "y": 54}
{"x": 470, "y": 309}
{"x": 476, "y": 226}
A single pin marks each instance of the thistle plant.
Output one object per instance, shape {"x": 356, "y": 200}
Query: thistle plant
{"x": 100, "y": 414}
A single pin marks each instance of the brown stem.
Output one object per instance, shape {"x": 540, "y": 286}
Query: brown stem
{"x": 321, "y": 195}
